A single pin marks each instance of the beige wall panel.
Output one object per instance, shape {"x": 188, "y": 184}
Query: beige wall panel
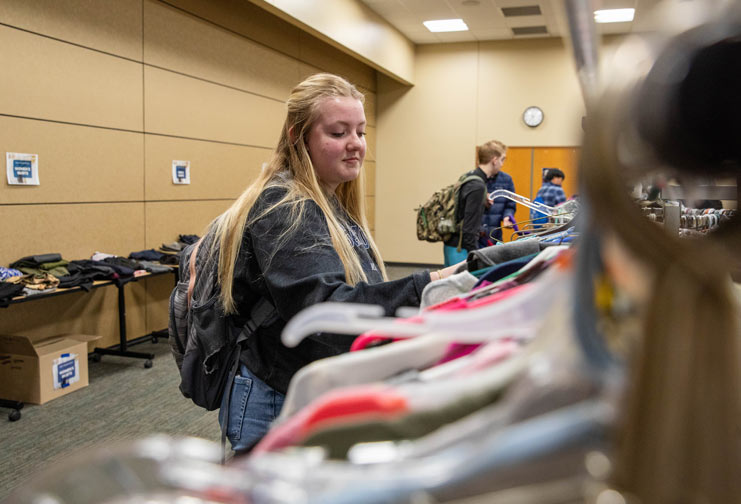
{"x": 354, "y": 27}
{"x": 515, "y": 75}
{"x": 74, "y": 230}
{"x": 370, "y": 211}
{"x": 370, "y": 141}
{"x": 168, "y": 219}
{"x": 76, "y": 163}
{"x": 369, "y": 170}
{"x": 94, "y": 312}
{"x": 136, "y": 311}
{"x": 217, "y": 170}
{"x": 54, "y": 80}
{"x": 370, "y": 106}
{"x": 425, "y": 139}
{"x": 183, "y": 106}
{"x": 215, "y": 54}
{"x": 158, "y": 291}
{"x": 113, "y": 26}
{"x": 247, "y": 19}
{"x": 325, "y": 57}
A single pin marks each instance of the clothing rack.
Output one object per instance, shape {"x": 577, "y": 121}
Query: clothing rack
{"x": 15, "y": 408}
{"x": 522, "y": 200}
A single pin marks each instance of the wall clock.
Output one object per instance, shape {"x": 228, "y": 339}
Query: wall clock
{"x": 533, "y": 116}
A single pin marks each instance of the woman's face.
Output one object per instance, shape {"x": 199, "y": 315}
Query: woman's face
{"x": 336, "y": 141}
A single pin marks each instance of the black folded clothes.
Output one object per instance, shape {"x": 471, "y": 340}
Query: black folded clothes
{"x": 8, "y": 291}
{"x": 35, "y": 261}
{"x": 43, "y": 272}
{"x": 188, "y": 239}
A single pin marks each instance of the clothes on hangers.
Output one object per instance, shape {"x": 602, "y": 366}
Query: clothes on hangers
{"x": 441, "y": 290}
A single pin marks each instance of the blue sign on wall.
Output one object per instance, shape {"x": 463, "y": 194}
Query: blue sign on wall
{"x": 22, "y": 168}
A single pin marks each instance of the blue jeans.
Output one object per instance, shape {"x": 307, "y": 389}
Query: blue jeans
{"x": 452, "y": 256}
{"x": 253, "y": 407}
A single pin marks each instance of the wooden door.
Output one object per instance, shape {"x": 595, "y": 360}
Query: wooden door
{"x": 526, "y": 164}
{"x": 565, "y": 159}
{"x": 518, "y": 166}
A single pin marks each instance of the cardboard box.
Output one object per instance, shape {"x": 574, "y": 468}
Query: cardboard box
{"x": 39, "y": 371}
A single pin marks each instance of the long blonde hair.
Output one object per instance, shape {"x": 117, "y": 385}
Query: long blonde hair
{"x": 291, "y": 168}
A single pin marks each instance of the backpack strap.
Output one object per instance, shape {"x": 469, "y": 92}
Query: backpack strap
{"x": 259, "y": 315}
{"x": 463, "y": 180}
{"x": 192, "y": 270}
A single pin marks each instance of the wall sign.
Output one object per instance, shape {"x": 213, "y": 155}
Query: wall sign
{"x": 181, "y": 172}
{"x": 22, "y": 169}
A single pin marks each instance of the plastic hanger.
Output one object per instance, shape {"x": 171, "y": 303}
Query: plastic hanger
{"x": 522, "y": 200}
{"x": 513, "y": 314}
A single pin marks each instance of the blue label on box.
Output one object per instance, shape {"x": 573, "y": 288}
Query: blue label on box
{"x": 180, "y": 172}
{"x": 22, "y": 168}
{"x": 65, "y": 372}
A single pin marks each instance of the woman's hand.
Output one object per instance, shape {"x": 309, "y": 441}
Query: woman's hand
{"x": 445, "y": 272}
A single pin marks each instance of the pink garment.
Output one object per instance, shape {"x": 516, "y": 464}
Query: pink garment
{"x": 370, "y": 337}
{"x": 490, "y": 354}
{"x": 457, "y": 350}
{"x": 349, "y": 404}
{"x": 452, "y": 304}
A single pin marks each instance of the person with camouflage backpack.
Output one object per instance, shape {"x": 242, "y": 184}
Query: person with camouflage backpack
{"x": 472, "y": 201}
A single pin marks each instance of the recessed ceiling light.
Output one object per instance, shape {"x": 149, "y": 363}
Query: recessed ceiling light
{"x": 614, "y": 15}
{"x": 445, "y": 25}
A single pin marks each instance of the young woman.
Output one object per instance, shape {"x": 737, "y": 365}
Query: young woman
{"x": 296, "y": 236}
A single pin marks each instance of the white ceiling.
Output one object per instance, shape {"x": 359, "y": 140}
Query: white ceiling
{"x": 486, "y": 21}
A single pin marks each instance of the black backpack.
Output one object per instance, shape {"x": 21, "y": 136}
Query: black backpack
{"x": 205, "y": 341}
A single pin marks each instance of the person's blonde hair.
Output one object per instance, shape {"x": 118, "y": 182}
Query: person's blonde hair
{"x": 490, "y": 150}
{"x": 291, "y": 168}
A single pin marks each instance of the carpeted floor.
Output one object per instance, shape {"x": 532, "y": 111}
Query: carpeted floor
{"x": 123, "y": 401}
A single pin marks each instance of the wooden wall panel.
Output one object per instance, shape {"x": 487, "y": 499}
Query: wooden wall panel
{"x": 215, "y": 54}
{"x": 68, "y": 83}
{"x": 565, "y": 159}
{"x": 158, "y": 291}
{"x": 325, "y": 57}
{"x": 188, "y": 107}
{"x": 76, "y": 163}
{"x": 369, "y": 171}
{"x": 74, "y": 230}
{"x": 370, "y": 106}
{"x": 246, "y": 19}
{"x": 217, "y": 170}
{"x": 370, "y": 139}
{"x": 94, "y": 312}
{"x": 165, "y": 220}
{"x": 113, "y": 26}
{"x": 370, "y": 211}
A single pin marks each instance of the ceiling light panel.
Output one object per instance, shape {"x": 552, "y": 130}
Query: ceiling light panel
{"x": 445, "y": 25}
{"x": 614, "y": 15}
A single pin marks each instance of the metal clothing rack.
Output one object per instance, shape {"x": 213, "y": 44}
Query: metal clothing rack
{"x": 15, "y": 408}
{"x": 522, "y": 200}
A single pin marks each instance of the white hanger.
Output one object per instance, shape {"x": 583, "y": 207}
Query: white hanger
{"x": 512, "y": 315}
{"x": 522, "y": 200}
